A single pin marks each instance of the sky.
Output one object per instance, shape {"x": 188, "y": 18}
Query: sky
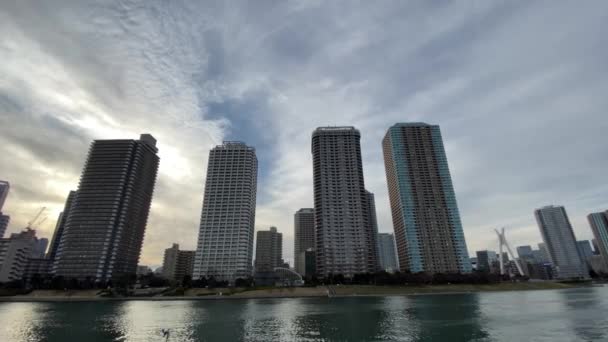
{"x": 519, "y": 89}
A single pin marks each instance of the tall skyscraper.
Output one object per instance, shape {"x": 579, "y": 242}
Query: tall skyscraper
{"x": 345, "y": 240}
{"x": 60, "y": 226}
{"x": 104, "y": 231}
{"x": 599, "y": 226}
{"x": 387, "y": 253}
{"x": 425, "y": 214}
{"x": 225, "y": 240}
{"x": 4, "y": 188}
{"x": 268, "y": 250}
{"x": 304, "y": 237}
{"x": 559, "y": 238}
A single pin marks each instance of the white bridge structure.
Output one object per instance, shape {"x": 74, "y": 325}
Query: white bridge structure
{"x": 502, "y": 242}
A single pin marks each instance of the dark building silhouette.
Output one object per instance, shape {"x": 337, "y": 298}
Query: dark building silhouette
{"x": 268, "y": 250}
{"x": 60, "y": 226}
{"x": 104, "y": 231}
{"x": 345, "y": 238}
{"x": 304, "y": 237}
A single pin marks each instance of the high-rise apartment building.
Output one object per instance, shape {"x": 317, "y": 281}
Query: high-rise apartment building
{"x": 268, "y": 250}
{"x": 304, "y": 237}
{"x": 60, "y": 226}
{"x": 387, "y": 253}
{"x": 425, "y": 214}
{"x": 225, "y": 240}
{"x": 4, "y": 188}
{"x": 345, "y": 240}
{"x": 104, "y": 231}
{"x": 599, "y": 226}
{"x": 560, "y": 241}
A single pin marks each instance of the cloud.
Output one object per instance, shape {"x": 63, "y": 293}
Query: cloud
{"x": 520, "y": 100}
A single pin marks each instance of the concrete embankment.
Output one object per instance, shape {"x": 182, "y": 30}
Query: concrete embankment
{"x": 301, "y": 292}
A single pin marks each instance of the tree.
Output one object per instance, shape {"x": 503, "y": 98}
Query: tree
{"x": 187, "y": 281}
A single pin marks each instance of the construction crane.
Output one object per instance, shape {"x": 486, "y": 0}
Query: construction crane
{"x": 34, "y": 222}
{"x": 39, "y": 223}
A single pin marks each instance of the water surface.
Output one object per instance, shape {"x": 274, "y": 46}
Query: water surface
{"x": 555, "y": 315}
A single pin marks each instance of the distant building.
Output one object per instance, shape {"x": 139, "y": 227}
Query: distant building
{"x": 584, "y": 247}
{"x": 225, "y": 241}
{"x": 185, "y": 265}
{"x": 4, "y": 189}
{"x": 387, "y": 252}
{"x": 15, "y": 253}
{"x": 539, "y": 256}
{"x": 473, "y": 261}
{"x": 143, "y": 270}
{"x": 304, "y": 237}
{"x": 104, "y": 231}
{"x": 60, "y": 226}
{"x": 559, "y": 238}
{"x": 170, "y": 261}
{"x": 268, "y": 250}
{"x": 41, "y": 246}
{"x": 524, "y": 251}
{"x": 345, "y": 240}
{"x": 485, "y": 259}
{"x": 4, "y": 221}
{"x": 177, "y": 263}
{"x": 599, "y": 226}
{"x": 426, "y": 220}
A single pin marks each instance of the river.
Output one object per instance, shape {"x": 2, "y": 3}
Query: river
{"x": 552, "y": 315}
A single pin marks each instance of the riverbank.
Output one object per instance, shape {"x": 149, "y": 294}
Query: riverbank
{"x": 297, "y": 292}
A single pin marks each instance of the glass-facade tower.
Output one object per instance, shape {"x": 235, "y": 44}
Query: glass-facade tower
{"x": 426, "y": 220}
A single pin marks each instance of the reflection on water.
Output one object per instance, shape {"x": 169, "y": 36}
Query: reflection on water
{"x": 573, "y": 315}
{"x": 586, "y": 328}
